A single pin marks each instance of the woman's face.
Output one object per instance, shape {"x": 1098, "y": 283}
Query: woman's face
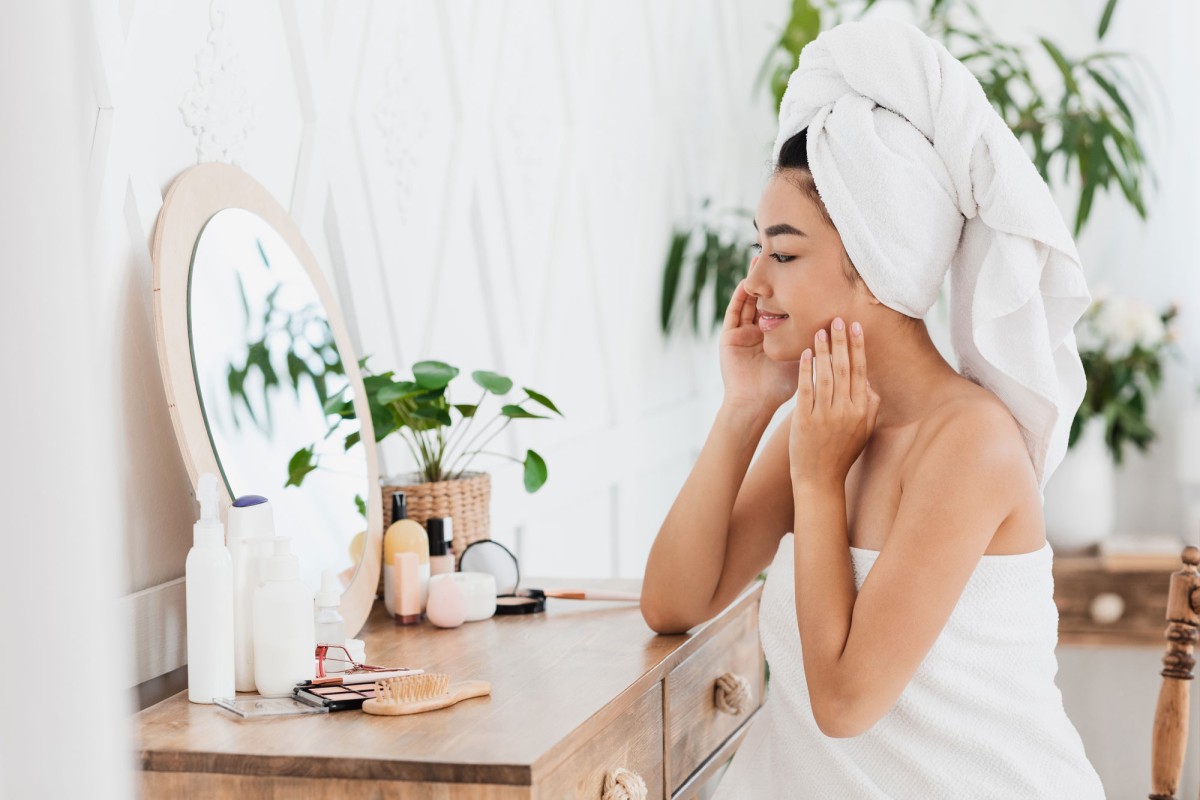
{"x": 800, "y": 271}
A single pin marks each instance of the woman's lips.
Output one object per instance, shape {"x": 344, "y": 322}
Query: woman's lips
{"x": 766, "y": 323}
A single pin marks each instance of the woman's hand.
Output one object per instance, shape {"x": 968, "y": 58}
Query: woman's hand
{"x": 751, "y": 378}
{"x": 832, "y": 423}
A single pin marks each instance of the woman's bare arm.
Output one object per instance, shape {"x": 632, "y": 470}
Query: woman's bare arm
{"x": 723, "y": 528}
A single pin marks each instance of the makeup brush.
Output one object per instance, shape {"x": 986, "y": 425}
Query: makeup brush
{"x": 579, "y": 594}
{"x": 412, "y": 694}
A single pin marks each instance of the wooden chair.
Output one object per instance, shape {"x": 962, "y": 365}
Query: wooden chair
{"x": 1171, "y": 715}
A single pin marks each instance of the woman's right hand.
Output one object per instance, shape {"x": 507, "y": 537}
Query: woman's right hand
{"x": 752, "y": 379}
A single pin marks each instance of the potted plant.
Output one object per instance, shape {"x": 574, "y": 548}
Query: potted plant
{"x": 1121, "y": 342}
{"x": 419, "y": 412}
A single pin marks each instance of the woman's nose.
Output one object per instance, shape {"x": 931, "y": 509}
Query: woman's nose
{"x": 751, "y": 283}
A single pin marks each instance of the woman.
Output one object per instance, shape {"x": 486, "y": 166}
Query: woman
{"x": 918, "y": 577}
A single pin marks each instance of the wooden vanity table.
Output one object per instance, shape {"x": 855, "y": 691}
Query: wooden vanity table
{"x": 578, "y": 691}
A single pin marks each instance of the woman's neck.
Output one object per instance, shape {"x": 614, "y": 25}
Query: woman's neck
{"x": 908, "y": 373}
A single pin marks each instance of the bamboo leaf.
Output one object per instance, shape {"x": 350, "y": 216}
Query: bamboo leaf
{"x": 1064, "y": 66}
{"x": 1106, "y": 18}
{"x": 671, "y": 270}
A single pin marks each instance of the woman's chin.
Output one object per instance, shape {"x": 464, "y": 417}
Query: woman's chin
{"x": 781, "y": 349}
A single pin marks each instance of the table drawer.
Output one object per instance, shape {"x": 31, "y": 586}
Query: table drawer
{"x": 695, "y": 724}
{"x": 633, "y": 741}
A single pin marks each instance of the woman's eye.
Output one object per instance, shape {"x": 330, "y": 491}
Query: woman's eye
{"x": 782, "y": 259}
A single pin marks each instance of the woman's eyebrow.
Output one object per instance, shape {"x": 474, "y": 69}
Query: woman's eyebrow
{"x": 781, "y": 229}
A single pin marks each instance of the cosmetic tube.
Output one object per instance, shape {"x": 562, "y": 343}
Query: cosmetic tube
{"x": 408, "y": 588}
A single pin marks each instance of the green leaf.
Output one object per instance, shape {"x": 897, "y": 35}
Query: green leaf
{"x": 360, "y": 504}
{"x": 1064, "y": 66}
{"x": 296, "y": 367}
{"x": 541, "y": 398}
{"x": 433, "y": 374}
{"x": 262, "y": 253}
{"x": 302, "y": 463}
{"x": 1113, "y": 95}
{"x": 353, "y": 439}
{"x": 1106, "y": 18}
{"x": 492, "y": 382}
{"x": 671, "y": 270}
{"x": 466, "y": 410}
{"x": 535, "y": 471}
{"x": 337, "y": 406}
{"x": 516, "y": 412}
{"x": 398, "y": 391}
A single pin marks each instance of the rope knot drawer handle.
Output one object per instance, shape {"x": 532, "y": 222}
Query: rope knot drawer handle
{"x": 621, "y": 784}
{"x": 733, "y": 694}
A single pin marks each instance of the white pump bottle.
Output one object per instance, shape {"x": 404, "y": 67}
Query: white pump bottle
{"x": 284, "y": 636}
{"x": 208, "y": 591}
{"x": 251, "y": 529}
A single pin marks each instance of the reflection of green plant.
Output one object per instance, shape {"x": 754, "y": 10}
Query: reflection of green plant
{"x": 419, "y": 411}
{"x": 309, "y": 353}
{"x": 1121, "y": 344}
{"x": 1086, "y": 122}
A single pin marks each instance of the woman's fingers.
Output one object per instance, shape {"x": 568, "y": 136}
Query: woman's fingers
{"x": 840, "y": 359}
{"x": 858, "y": 365}
{"x": 824, "y": 371}
{"x": 733, "y": 312}
{"x": 804, "y": 391}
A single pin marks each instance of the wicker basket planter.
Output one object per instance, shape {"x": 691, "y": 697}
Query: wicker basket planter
{"x": 465, "y": 500}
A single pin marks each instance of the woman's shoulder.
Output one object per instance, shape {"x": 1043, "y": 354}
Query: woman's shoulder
{"x": 976, "y": 415}
{"x": 968, "y": 412}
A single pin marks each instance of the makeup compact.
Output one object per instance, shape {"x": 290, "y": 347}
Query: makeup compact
{"x": 336, "y": 697}
{"x": 491, "y": 557}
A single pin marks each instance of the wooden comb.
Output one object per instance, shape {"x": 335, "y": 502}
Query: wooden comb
{"x": 427, "y": 691}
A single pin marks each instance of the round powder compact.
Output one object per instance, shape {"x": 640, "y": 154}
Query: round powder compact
{"x": 511, "y": 604}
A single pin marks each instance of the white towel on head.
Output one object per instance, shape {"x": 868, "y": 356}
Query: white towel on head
{"x": 920, "y": 175}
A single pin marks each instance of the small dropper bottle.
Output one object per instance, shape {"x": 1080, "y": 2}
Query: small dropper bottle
{"x": 330, "y": 625}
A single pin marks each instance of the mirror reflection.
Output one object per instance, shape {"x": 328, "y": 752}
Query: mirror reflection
{"x": 266, "y": 366}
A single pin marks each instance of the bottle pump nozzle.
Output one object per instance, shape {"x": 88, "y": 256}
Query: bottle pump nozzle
{"x": 208, "y": 529}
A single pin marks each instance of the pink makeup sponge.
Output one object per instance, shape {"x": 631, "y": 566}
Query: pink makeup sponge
{"x": 447, "y": 604}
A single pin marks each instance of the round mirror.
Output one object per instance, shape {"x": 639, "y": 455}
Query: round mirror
{"x": 266, "y": 366}
{"x": 253, "y": 351}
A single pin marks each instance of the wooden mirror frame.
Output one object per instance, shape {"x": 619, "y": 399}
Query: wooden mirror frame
{"x": 194, "y": 197}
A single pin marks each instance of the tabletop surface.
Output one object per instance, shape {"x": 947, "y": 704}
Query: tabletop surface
{"x": 550, "y": 672}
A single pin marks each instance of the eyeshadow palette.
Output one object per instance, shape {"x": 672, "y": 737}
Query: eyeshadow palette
{"x": 336, "y": 698}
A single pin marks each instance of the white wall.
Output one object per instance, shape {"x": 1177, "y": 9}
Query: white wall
{"x": 490, "y": 184}
{"x": 493, "y": 184}
{"x": 58, "y": 625}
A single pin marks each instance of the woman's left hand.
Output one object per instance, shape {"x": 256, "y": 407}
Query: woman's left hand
{"x": 832, "y": 423}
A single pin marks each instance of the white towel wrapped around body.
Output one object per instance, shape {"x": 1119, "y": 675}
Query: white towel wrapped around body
{"x": 982, "y": 717}
{"x": 921, "y": 176}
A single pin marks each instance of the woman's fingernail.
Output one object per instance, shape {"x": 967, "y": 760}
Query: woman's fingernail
{"x": 838, "y": 324}
{"x": 821, "y": 335}
{"x": 856, "y": 328}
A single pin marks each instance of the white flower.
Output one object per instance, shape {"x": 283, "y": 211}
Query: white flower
{"x": 1124, "y": 322}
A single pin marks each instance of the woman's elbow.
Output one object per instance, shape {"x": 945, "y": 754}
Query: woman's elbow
{"x": 839, "y": 717}
{"x": 660, "y": 623}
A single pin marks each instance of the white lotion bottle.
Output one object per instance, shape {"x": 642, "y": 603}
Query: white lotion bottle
{"x": 284, "y": 639}
{"x": 329, "y": 624}
{"x": 251, "y": 529}
{"x": 208, "y": 595}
